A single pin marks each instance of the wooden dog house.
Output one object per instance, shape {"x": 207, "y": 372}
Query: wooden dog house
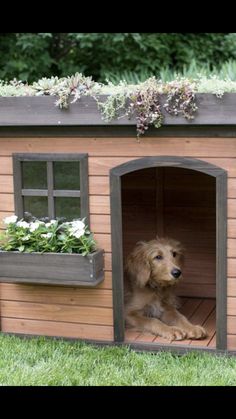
{"x": 177, "y": 181}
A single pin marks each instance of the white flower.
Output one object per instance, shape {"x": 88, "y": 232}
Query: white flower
{"x": 77, "y": 228}
{"x": 22, "y": 224}
{"x": 46, "y": 235}
{"x": 10, "y": 220}
{"x": 50, "y": 223}
{"x": 35, "y": 225}
{"x": 25, "y": 238}
{"x": 77, "y": 233}
{"x": 78, "y": 225}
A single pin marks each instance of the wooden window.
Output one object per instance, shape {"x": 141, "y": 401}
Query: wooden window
{"x": 51, "y": 185}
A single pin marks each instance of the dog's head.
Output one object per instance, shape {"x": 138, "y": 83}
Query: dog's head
{"x": 156, "y": 262}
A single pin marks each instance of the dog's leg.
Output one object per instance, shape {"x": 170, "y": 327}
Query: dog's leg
{"x": 154, "y": 326}
{"x": 172, "y": 317}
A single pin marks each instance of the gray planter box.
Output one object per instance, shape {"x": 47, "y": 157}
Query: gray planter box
{"x": 52, "y": 268}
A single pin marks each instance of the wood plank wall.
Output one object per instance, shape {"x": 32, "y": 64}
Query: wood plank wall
{"x": 176, "y": 203}
{"x": 88, "y": 313}
{"x": 189, "y": 209}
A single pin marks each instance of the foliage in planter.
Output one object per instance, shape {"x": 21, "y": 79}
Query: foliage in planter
{"x": 140, "y": 101}
{"x": 43, "y": 236}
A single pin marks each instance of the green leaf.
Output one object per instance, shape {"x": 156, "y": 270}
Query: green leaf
{"x": 21, "y": 248}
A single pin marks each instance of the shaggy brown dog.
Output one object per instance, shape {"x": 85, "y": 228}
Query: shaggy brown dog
{"x": 151, "y": 271}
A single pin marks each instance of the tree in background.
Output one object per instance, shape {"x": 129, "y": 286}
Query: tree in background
{"x": 30, "y": 56}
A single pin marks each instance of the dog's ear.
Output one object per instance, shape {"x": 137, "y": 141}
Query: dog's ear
{"x": 138, "y": 266}
{"x": 180, "y": 250}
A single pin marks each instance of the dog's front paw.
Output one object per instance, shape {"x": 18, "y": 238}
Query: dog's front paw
{"x": 173, "y": 333}
{"x": 196, "y": 332}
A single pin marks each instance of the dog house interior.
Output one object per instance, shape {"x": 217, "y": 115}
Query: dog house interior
{"x": 178, "y": 203}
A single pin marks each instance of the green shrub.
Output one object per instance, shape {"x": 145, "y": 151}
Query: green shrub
{"x": 29, "y": 56}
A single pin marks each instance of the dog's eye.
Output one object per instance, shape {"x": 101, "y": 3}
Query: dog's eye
{"x": 174, "y": 254}
{"x": 159, "y": 257}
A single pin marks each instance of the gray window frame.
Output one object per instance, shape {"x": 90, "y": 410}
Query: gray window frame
{"x": 50, "y": 192}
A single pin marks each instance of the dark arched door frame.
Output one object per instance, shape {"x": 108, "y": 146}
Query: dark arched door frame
{"x": 221, "y": 236}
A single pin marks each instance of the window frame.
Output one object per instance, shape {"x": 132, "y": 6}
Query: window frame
{"x": 50, "y": 192}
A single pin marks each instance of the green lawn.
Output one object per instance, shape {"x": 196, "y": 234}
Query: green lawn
{"x": 40, "y": 361}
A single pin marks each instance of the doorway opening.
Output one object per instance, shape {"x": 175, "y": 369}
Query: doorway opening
{"x": 183, "y": 199}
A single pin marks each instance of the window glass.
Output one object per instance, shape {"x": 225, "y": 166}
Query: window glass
{"x": 34, "y": 175}
{"x": 66, "y": 175}
{"x": 36, "y": 205}
{"x": 68, "y": 208}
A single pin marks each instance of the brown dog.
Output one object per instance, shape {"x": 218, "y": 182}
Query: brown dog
{"x": 151, "y": 271}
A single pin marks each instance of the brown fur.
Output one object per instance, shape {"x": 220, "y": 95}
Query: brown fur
{"x": 150, "y": 303}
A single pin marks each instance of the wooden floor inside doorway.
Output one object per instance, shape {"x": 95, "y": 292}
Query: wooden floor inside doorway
{"x": 200, "y": 311}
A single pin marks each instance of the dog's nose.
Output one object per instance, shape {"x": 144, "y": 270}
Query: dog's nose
{"x": 176, "y": 273}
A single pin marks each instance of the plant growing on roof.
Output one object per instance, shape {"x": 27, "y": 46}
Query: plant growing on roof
{"x": 146, "y": 102}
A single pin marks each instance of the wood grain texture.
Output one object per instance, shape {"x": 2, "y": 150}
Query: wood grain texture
{"x": 231, "y": 267}
{"x": 99, "y": 204}
{"x": 104, "y": 241}
{"x": 231, "y": 204}
{"x": 56, "y": 295}
{"x": 57, "y": 312}
{"x": 231, "y": 342}
{"x": 231, "y": 287}
{"x": 6, "y": 183}
{"x": 192, "y": 289}
{"x": 108, "y": 261}
{"x": 100, "y": 166}
{"x": 232, "y": 228}
{"x": 100, "y": 223}
{"x": 212, "y": 150}
{"x": 60, "y": 329}
{"x": 52, "y": 268}
{"x": 180, "y": 217}
{"x": 99, "y": 185}
{"x": 41, "y": 111}
{"x": 6, "y": 167}
{"x": 231, "y": 306}
{"x": 231, "y": 247}
{"x": 231, "y": 325}
{"x": 231, "y": 187}
{"x": 7, "y": 202}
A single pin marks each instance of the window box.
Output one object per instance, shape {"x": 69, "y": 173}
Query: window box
{"x": 52, "y": 268}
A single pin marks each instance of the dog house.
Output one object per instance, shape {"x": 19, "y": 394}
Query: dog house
{"x": 177, "y": 181}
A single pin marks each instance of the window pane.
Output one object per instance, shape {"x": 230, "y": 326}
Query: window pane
{"x": 66, "y": 175}
{"x": 34, "y": 175}
{"x": 36, "y": 205}
{"x": 67, "y": 207}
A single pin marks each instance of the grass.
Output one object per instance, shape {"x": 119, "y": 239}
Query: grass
{"x": 195, "y": 70}
{"x": 50, "y": 362}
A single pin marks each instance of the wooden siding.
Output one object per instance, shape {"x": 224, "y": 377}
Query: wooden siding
{"x": 68, "y": 306}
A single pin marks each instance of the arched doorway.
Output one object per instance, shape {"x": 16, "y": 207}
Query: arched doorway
{"x": 183, "y": 198}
